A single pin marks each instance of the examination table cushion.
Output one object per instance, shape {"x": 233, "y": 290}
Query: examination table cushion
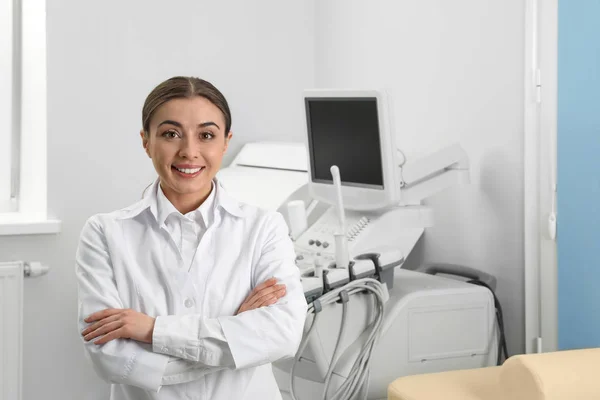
{"x": 469, "y": 384}
{"x": 561, "y": 375}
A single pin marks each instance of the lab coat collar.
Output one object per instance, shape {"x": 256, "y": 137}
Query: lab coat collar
{"x": 222, "y": 200}
{"x": 228, "y": 203}
{"x": 203, "y": 214}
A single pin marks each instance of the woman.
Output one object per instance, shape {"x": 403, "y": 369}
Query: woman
{"x": 178, "y": 294}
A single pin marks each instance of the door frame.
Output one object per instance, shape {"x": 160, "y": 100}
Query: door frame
{"x": 540, "y": 122}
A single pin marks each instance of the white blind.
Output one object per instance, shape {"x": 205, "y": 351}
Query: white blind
{"x": 6, "y": 100}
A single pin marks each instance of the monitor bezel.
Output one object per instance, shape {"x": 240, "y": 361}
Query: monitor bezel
{"x": 357, "y": 196}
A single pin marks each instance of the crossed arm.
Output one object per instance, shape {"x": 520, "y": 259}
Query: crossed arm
{"x": 123, "y": 323}
{"x": 122, "y": 343}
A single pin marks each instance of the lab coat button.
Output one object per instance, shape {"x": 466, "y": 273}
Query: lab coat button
{"x": 325, "y": 245}
{"x": 188, "y": 302}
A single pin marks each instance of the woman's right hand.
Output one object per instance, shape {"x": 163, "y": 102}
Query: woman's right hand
{"x": 263, "y": 295}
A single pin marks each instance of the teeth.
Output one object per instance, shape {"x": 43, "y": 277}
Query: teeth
{"x": 187, "y": 170}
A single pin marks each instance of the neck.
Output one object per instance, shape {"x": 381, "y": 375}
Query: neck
{"x": 184, "y": 203}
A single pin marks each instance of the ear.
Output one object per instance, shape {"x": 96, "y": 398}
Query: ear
{"x": 145, "y": 142}
{"x": 227, "y": 139}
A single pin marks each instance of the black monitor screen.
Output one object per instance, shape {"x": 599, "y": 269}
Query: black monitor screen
{"x": 345, "y": 132}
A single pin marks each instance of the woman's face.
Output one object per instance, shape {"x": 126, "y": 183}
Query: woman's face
{"x": 186, "y": 142}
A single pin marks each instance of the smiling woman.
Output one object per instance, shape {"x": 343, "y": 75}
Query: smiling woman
{"x": 186, "y": 131}
{"x": 188, "y": 291}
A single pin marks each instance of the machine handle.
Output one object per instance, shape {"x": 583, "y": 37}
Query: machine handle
{"x": 459, "y": 270}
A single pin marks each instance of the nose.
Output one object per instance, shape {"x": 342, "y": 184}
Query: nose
{"x": 189, "y": 149}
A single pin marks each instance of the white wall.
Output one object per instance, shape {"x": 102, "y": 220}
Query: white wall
{"x": 455, "y": 71}
{"x": 103, "y": 59}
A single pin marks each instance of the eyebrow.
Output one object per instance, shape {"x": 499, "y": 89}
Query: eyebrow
{"x": 177, "y": 124}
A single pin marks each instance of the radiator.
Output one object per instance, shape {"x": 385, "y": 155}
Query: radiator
{"x": 11, "y": 326}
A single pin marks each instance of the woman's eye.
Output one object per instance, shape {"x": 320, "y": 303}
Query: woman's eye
{"x": 170, "y": 134}
{"x": 207, "y": 135}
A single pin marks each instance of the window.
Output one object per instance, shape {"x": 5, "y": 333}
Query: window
{"x": 6, "y": 100}
{"x": 23, "y": 208}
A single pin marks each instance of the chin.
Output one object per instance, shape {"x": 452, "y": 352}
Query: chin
{"x": 191, "y": 187}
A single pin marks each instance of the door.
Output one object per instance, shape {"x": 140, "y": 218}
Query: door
{"x": 578, "y": 173}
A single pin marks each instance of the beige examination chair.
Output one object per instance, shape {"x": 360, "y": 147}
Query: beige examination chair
{"x": 562, "y": 375}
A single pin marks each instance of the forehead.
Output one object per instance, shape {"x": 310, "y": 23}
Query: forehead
{"x": 190, "y": 111}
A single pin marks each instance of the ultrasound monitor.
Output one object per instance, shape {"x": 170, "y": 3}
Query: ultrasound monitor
{"x": 350, "y": 129}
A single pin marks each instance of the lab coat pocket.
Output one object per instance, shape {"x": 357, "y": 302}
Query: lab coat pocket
{"x": 225, "y": 299}
{"x": 213, "y": 306}
{"x": 152, "y": 299}
{"x": 227, "y": 286}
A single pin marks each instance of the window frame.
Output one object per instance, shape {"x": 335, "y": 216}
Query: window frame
{"x": 7, "y": 66}
{"x": 29, "y": 137}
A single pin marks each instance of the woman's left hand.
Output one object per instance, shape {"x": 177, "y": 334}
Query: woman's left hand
{"x": 115, "y": 323}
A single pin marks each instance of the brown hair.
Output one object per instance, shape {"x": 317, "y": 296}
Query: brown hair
{"x": 183, "y": 87}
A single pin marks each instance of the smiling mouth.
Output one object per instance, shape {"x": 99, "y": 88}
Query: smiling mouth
{"x": 188, "y": 171}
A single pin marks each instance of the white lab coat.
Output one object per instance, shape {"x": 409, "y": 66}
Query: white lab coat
{"x": 200, "y": 350}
